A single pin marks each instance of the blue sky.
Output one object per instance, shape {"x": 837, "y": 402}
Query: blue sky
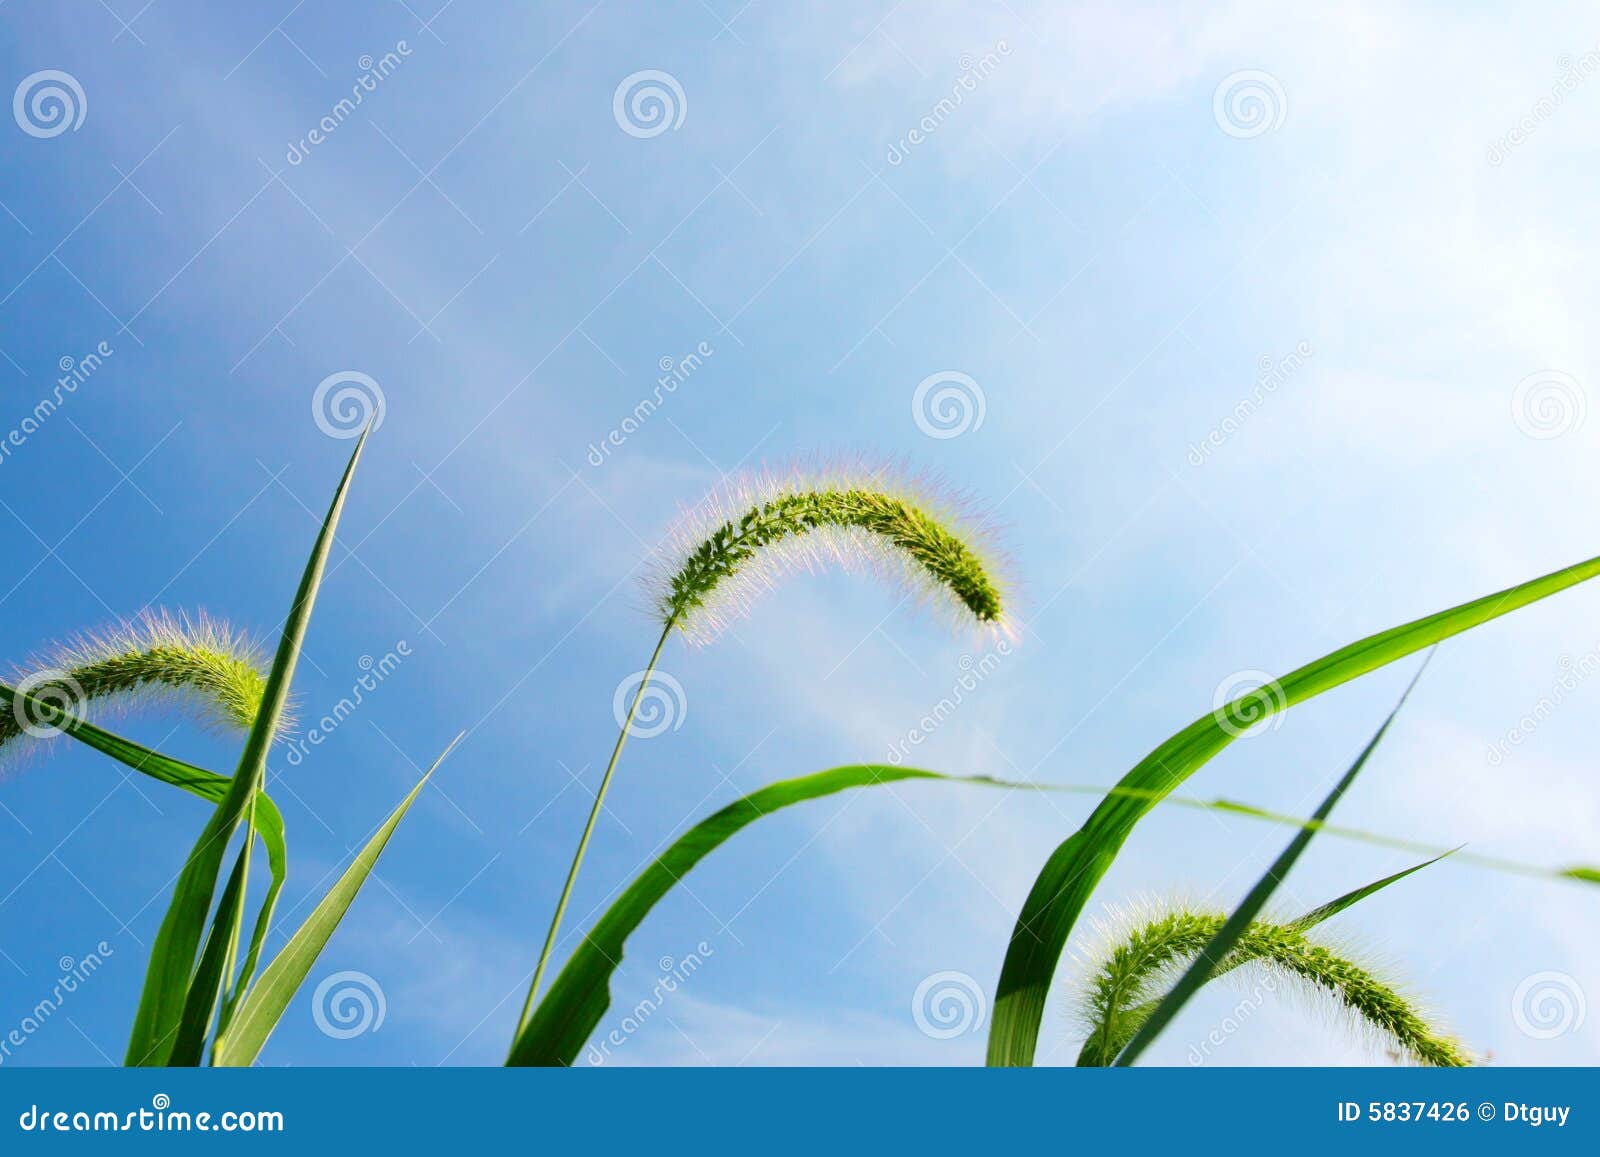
{"x": 1108, "y": 248}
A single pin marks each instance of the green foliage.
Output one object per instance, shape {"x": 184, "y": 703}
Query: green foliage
{"x": 240, "y": 1041}
{"x": 198, "y": 992}
{"x": 1126, "y": 986}
{"x": 1239, "y": 922}
{"x": 571, "y": 1010}
{"x": 741, "y": 538}
{"x": 1074, "y": 869}
{"x": 168, "y": 980}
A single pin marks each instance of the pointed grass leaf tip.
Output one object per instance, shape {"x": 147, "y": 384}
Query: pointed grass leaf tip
{"x": 1142, "y": 950}
{"x": 752, "y": 531}
{"x": 156, "y": 659}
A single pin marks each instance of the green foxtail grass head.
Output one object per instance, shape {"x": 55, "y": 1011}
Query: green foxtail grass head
{"x": 1142, "y": 954}
{"x": 157, "y": 659}
{"x": 750, "y": 532}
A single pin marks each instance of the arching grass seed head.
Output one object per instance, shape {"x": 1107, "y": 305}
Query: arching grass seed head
{"x": 1142, "y": 953}
{"x": 157, "y": 659}
{"x": 751, "y": 532}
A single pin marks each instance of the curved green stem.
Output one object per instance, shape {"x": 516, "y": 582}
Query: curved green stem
{"x": 588, "y": 830}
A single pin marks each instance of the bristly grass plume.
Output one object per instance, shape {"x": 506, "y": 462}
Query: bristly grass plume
{"x": 1144, "y": 953}
{"x": 202, "y": 994}
{"x": 157, "y": 659}
{"x": 750, "y": 532}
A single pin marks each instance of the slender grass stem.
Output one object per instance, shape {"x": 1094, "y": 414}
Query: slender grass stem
{"x": 588, "y": 830}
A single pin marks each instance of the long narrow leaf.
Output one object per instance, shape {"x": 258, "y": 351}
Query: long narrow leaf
{"x": 197, "y": 781}
{"x": 258, "y": 939}
{"x": 207, "y": 785}
{"x": 1333, "y": 907}
{"x": 574, "y": 1004}
{"x": 263, "y": 1007}
{"x": 1206, "y": 963}
{"x": 172, "y": 958}
{"x": 1073, "y": 870}
{"x": 210, "y": 786}
{"x": 265, "y": 817}
{"x": 206, "y": 987}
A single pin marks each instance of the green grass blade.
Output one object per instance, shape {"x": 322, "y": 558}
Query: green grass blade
{"x": 1333, "y": 907}
{"x": 1073, "y": 870}
{"x": 264, "y": 1005}
{"x": 1206, "y": 963}
{"x": 258, "y": 940}
{"x": 210, "y": 786}
{"x": 1577, "y": 872}
{"x": 197, "y": 781}
{"x": 207, "y": 785}
{"x": 574, "y": 1004}
{"x": 215, "y": 963}
{"x": 172, "y": 958}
